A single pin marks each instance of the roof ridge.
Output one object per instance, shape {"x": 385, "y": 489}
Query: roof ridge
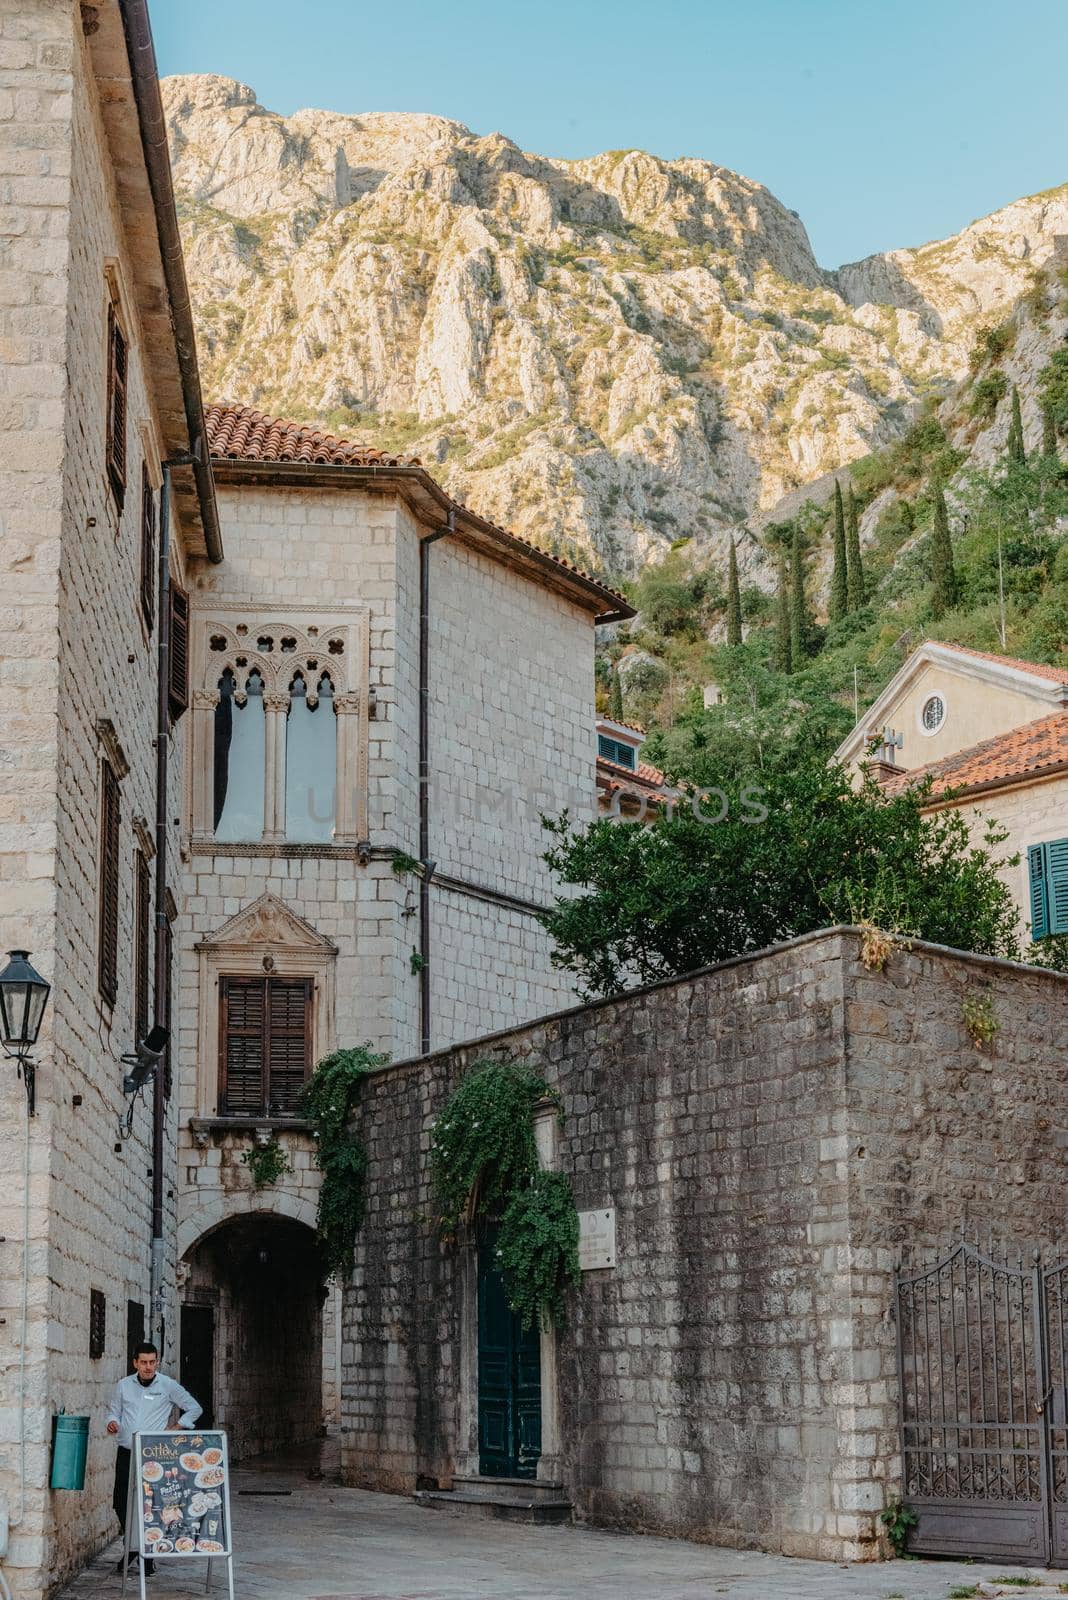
{"x": 1038, "y": 669}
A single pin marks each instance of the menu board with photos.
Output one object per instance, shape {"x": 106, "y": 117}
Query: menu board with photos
{"x": 184, "y": 1505}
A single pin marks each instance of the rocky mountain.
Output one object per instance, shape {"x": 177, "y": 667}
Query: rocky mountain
{"x": 609, "y": 355}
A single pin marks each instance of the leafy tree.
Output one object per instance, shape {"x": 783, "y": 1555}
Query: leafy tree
{"x": 803, "y": 850}
{"x": 1049, "y": 431}
{"x": 783, "y": 648}
{"x": 839, "y": 603}
{"x": 943, "y": 572}
{"x": 798, "y": 613}
{"x": 734, "y": 600}
{"x": 1053, "y": 385}
{"x": 1015, "y": 441}
{"x": 615, "y": 696}
{"x": 854, "y": 562}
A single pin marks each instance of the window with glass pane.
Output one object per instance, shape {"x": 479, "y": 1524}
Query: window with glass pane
{"x": 311, "y": 763}
{"x": 239, "y": 759}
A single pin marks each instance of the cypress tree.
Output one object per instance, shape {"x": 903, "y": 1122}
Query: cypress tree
{"x": 1049, "y": 432}
{"x": 615, "y": 696}
{"x": 839, "y": 601}
{"x": 783, "y": 655}
{"x": 734, "y": 600}
{"x": 1016, "y": 439}
{"x": 854, "y": 562}
{"x": 943, "y": 572}
{"x": 797, "y": 602}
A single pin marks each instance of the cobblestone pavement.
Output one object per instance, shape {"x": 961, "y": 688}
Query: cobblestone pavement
{"x": 323, "y": 1542}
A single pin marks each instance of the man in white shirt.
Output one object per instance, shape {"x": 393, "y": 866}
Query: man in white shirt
{"x": 144, "y": 1402}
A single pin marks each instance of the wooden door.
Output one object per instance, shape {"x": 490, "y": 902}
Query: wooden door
{"x": 509, "y": 1379}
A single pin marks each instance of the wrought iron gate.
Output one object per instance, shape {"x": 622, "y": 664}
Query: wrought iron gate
{"x": 983, "y": 1374}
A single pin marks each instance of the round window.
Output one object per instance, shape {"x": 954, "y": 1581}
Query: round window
{"x": 933, "y": 713}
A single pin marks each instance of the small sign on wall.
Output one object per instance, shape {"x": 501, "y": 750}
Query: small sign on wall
{"x": 597, "y": 1239}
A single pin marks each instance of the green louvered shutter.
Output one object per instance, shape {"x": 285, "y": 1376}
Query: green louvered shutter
{"x": 1036, "y": 872}
{"x": 1057, "y": 885}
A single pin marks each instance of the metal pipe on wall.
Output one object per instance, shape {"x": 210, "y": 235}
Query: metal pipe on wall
{"x": 159, "y": 1104}
{"x": 424, "y": 773}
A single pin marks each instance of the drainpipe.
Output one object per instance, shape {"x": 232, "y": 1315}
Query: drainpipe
{"x": 424, "y": 772}
{"x": 163, "y": 670}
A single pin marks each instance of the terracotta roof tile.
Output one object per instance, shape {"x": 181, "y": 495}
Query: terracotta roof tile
{"x": 1028, "y": 752}
{"x": 1037, "y": 669}
{"x": 241, "y": 433}
{"x": 644, "y": 773}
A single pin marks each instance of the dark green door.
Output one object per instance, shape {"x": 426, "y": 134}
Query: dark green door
{"x": 509, "y": 1379}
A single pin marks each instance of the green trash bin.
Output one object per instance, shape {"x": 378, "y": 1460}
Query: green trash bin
{"x": 70, "y": 1446}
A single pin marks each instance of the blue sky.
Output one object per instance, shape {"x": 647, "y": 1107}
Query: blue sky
{"x": 882, "y": 122}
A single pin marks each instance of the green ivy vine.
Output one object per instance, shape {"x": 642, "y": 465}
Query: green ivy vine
{"x": 537, "y": 1247}
{"x": 266, "y": 1162}
{"x": 482, "y": 1145}
{"x": 327, "y": 1101}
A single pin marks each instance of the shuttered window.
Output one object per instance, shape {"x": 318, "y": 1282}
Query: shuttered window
{"x": 1047, "y": 869}
{"x": 118, "y": 364}
{"x": 615, "y": 750}
{"x": 148, "y": 549}
{"x": 142, "y": 941}
{"x": 179, "y": 684}
{"x": 265, "y": 1044}
{"x": 108, "y": 884}
{"x": 166, "y": 1009}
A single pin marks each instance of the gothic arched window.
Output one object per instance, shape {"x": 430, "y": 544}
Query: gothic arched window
{"x": 239, "y": 758}
{"x": 311, "y": 762}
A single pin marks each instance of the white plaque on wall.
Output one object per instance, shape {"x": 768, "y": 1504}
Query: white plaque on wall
{"x": 597, "y": 1239}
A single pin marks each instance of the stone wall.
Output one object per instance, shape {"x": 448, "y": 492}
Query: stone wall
{"x": 771, "y": 1133}
{"x": 72, "y": 650}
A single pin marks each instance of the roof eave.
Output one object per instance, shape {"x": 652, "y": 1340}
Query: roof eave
{"x": 144, "y": 82}
{"x": 432, "y": 505}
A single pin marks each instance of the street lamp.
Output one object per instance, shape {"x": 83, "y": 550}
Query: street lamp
{"x": 23, "y": 997}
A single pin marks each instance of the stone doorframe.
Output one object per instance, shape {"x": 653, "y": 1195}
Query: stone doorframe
{"x": 546, "y": 1131}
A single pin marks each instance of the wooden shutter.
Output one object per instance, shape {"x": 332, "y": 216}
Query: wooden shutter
{"x": 143, "y": 925}
{"x": 108, "y": 867}
{"x": 1057, "y": 885}
{"x": 179, "y": 685}
{"x": 148, "y": 549}
{"x": 242, "y": 1023}
{"x": 289, "y": 1043}
{"x": 118, "y": 363}
{"x": 1036, "y": 875}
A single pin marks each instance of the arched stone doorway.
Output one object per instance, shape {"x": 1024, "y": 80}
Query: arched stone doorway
{"x": 252, "y": 1331}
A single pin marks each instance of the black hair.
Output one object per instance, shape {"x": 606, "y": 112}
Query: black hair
{"x": 145, "y": 1349}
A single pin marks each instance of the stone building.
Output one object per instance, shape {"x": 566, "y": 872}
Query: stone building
{"x": 362, "y": 630}
{"x": 752, "y": 1149}
{"x": 990, "y": 734}
{"x": 99, "y": 388}
{"x": 365, "y": 707}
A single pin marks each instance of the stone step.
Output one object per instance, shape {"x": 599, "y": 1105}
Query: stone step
{"x": 507, "y": 1488}
{"x": 506, "y": 1499}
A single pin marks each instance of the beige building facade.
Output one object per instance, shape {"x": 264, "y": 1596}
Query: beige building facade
{"x": 990, "y": 736}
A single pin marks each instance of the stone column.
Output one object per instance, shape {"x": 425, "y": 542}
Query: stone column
{"x": 348, "y": 811}
{"x": 275, "y": 708}
{"x": 203, "y": 762}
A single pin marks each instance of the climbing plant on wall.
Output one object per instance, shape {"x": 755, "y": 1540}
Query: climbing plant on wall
{"x": 328, "y": 1100}
{"x": 482, "y": 1149}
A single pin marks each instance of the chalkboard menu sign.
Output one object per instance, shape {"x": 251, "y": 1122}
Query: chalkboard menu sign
{"x": 184, "y": 1495}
